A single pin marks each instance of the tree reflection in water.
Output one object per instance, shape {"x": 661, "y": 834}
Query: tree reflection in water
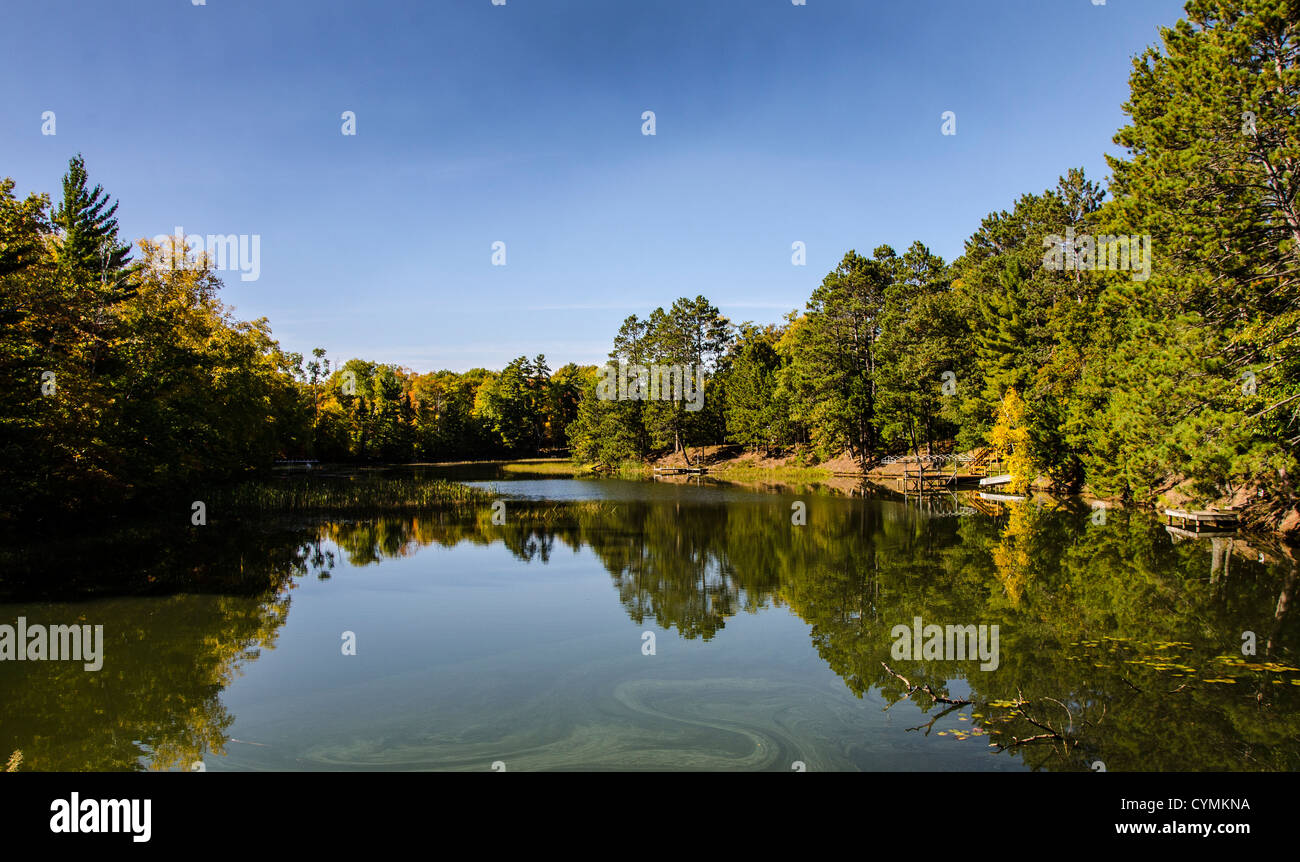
{"x": 1118, "y": 643}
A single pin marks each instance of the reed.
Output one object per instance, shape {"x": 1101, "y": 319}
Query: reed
{"x": 379, "y": 494}
{"x": 552, "y": 511}
{"x": 547, "y": 467}
{"x": 632, "y": 469}
{"x": 745, "y": 472}
{"x": 351, "y": 493}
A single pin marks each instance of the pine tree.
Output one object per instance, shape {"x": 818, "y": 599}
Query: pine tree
{"x": 835, "y": 356}
{"x": 90, "y": 247}
{"x": 1212, "y": 174}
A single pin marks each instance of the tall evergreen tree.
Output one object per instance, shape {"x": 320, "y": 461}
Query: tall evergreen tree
{"x": 1211, "y": 172}
{"x": 835, "y": 356}
{"x": 86, "y": 218}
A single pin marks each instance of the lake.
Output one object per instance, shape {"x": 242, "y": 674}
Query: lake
{"x": 680, "y": 625}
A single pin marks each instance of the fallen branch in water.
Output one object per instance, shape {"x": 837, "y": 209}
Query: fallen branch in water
{"x": 1052, "y": 734}
{"x": 912, "y": 689}
{"x": 930, "y": 725}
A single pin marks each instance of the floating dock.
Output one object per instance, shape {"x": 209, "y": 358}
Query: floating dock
{"x": 680, "y": 471}
{"x": 1004, "y": 479}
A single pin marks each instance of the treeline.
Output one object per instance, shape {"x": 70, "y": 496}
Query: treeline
{"x": 366, "y": 411}
{"x": 129, "y": 378}
{"x": 852, "y": 373}
{"x": 1129, "y": 338}
{"x": 892, "y": 353}
{"x": 121, "y": 375}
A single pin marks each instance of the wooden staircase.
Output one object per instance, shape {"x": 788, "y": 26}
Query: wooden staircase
{"x": 985, "y": 462}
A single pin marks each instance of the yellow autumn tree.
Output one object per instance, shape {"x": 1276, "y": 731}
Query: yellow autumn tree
{"x": 1010, "y": 437}
{"x": 1012, "y": 557}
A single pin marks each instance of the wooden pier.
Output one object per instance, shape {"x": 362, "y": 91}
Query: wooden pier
{"x": 923, "y": 480}
{"x": 1220, "y": 521}
{"x": 928, "y": 474}
{"x": 680, "y": 471}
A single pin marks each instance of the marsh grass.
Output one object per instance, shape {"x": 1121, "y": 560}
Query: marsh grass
{"x": 747, "y": 473}
{"x": 545, "y": 467}
{"x": 367, "y": 493}
{"x": 557, "y": 511}
{"x": 378, "y": 494}
{"x": 633, "y": 470}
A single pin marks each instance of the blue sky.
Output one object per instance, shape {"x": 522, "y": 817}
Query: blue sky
{"x": 522, "y": 124}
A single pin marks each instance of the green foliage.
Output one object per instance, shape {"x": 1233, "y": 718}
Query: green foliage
{"x": 1201, "y": 379}
{"x": 514, "y": 404}
{"x": 87, "y": 251}
{"x": 756, "y": 412}
{"x": 834, "y": 356}
{"x": 127, "y": 379}
{"x": 923, "y": 361}
{"x": 693, "y": 336}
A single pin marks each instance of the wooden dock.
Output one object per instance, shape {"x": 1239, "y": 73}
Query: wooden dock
{"x": 1004, "y": 479}
{"x": 927, "y": 476}
{"x": 1219, "y": 521}
{"x": 680, "y": 471}
{"x": 1182, "y": 533}
{"x": 922, "y": 474}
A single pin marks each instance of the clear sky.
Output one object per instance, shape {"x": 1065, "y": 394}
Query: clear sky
{"x": 522, "y": 123}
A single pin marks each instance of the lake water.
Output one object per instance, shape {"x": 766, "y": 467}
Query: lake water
{"x": 682, "y": 625}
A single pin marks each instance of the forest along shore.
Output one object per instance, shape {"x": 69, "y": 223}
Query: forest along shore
{"x": 845, "y": 474}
